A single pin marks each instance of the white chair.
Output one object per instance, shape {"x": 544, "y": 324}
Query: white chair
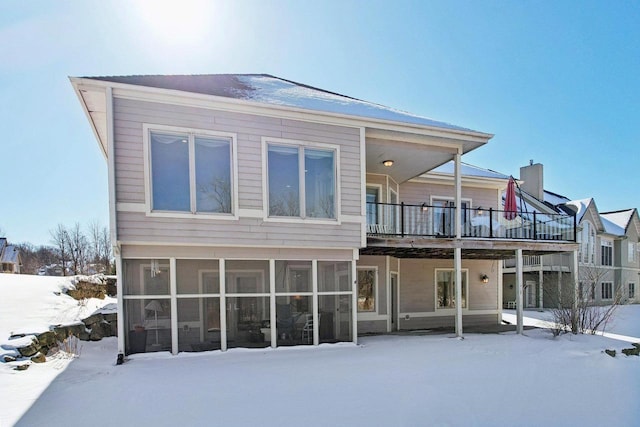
{"x": 307, "y": 329}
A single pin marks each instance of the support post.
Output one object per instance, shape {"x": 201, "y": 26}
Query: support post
{"x": 540, "y": 286}
{"x": 575, "y": 285}
{"x": 457, "y": 266}
{"x": 223, "y": 303}
{"x": 519, "y": 283}
{"x": 458, "y": 200}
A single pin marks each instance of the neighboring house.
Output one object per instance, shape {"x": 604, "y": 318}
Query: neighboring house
{"x": 608, "y": 259}
{"x": 10, "y": 259}
{"x": 253, "y": 211}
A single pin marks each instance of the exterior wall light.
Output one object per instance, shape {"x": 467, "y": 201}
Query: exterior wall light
{"x": 388, "y": 163}
{"x": 484, "y": 278}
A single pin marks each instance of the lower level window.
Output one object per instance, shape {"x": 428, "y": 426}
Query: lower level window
{"x": 446, "y": 289}
{"x": 632, "y": 290}
{"x": 366, "y": 289}
{"x": 607, "y": 290}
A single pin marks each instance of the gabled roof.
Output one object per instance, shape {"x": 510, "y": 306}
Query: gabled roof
{"x": 579, "y": 207}
{"x": 621, "y": 218}
{"x": 611, "y": 227}
{"x": 269, "y": 89}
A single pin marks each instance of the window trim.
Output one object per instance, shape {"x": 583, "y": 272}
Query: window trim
{"x": 602, "y": 285}
{"x": 376, "y": 286}
{"x": 606, "y": 243}
{"x": 146, "y": 137}
{"x": 265, "y": 183}
{"x": 435, "y": 290}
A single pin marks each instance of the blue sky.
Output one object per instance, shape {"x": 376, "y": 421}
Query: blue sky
{"x": 557, "y": 82}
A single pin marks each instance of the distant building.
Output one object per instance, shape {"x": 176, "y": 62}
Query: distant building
{"x": 10, "y": 259}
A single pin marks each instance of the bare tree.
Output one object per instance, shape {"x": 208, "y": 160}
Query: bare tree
{"x": 578, "y": 310}
{"x": 100, "y": 246}
{"x": 79, "y": 247}
{"x": 62, "y": 243}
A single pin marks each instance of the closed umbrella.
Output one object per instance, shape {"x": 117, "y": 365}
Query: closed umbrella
{"x": 510, "y": 208}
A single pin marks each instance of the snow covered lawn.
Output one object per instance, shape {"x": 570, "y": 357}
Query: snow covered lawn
{"x": 498, "y": 380}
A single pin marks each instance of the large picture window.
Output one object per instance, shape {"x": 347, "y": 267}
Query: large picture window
{"x": 301, "y": 181}
{"x": 190, "y": 172}
{"x": 446, "y": 289}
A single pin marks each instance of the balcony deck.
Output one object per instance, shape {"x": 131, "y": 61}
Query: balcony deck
{"x": 429, "y": 231}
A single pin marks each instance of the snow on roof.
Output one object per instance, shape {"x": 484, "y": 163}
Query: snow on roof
{"x": 10, "y": 255}
{"x": 580, "y": 207}
{"x": 269, "y": 89}
{"x": 619, "y": 218}
{"x": 611, "y": 228}
{"x": 555, "y": 199}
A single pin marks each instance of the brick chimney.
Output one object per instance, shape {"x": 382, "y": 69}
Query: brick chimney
{"x": 532, "y": 175}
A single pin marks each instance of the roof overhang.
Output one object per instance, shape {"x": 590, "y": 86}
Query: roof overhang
{"x": 445, "y": 142}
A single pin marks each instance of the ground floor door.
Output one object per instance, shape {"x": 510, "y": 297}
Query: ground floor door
{"x": 530, "y": 294}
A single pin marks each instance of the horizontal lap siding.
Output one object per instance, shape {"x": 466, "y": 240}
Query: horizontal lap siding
{"x": 447, "y": 321}
{"x": 130, "y": 115}
{"x": 417, "y": 284}
{"x": 415, "y": 193}
{"x": 136, "y": 227}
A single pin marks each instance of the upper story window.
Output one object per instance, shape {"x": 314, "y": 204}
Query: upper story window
{"x": 587, "y": 238}
{"x": 190, "y": 172}
{"x": 606, "y": 252}
{"x": 631, "y": 253}
{"x": 301, "y": 181}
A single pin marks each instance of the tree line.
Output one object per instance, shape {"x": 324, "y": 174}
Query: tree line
{"x": 73, "y": 250}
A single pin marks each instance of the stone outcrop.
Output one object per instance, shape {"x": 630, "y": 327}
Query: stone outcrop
{"x": 92, "y": 328}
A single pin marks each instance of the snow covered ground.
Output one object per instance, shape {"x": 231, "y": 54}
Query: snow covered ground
{"x": 504, "y": 379}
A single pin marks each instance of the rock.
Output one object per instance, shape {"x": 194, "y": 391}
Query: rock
{"x": 114, "y": 329}
{"x": 635, "y": 344}
{"x": 39, "y": 358}
{"x": 611, "y": 353}
{"x": 22, "y": 367}
{"x": 61, "y": 332}
{"x": 635, "y": 351}
{"x": 8, "y": 359}
{"x": 28, "y": 350}
{"x": 48, "y": 339}
{"x": 110, "y": 317}
{"x": 91, "y": 320}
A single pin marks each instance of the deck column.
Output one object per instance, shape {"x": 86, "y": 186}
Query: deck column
{"x": 540, "y": 286}
{"x": 519, "y": 282}
{"x": 575, "y": 284}
{"x": 457, "y": 264}
{"x": 458, "y": 200}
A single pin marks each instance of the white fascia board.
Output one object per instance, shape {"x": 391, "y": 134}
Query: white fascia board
{"x": 176, "y": 97}
{"x": 77, "y": 85}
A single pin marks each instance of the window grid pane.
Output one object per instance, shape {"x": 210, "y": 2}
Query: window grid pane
{"x": 170, "y": 172}
{"x": 284, "y": 181}
{"x": 213, "y": 175}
